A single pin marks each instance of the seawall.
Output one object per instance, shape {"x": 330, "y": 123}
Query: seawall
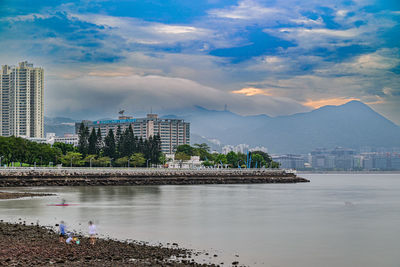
{"x": 133, "y": 176}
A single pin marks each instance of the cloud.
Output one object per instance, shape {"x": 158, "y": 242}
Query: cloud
{"x": 250, "y": 91}
{"x": 98, "y": 96}
{"x": 245, "y": 10}
{"x": 350, "y": 33}
{"x": 25, "y": 18}
{"x": 142, "y": 32}
{"x": 290, "y": 54}
{"x": 330, "y": 101}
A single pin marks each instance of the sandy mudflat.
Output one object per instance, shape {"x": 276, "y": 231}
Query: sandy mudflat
{"x": 13, "y": 195}
{"x": 31, "y": 245}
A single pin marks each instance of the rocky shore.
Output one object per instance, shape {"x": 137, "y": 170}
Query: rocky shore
{"x": 31, "y": 245}
{"x": 114, "y": 176}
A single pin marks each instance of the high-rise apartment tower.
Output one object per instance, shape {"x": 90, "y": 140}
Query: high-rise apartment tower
{"x": 21, "y": 100}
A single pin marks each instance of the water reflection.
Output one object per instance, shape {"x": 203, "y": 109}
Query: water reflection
{"x": 336, "y": 220}
{"x": 109, "y": 193}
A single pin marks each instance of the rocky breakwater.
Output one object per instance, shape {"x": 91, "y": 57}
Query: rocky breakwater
{"x": 116, "y": 176}
{"x": 31, "y": 245}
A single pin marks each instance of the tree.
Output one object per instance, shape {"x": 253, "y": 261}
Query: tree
{"x": 187, "y": 149}
{"x": 220, "y": 159}
{"x": 202, "y": 146}
{"x": 83, "y": 135}
{"x": 202, "y": 150}
{"x": 274, "y": 165}
{"x": 182, "y": 156}
{"x": 64, "y": 147}
{"x": 99, "y": 144}
{"x": 90, "y": 159}
{"x": 103, "y": 161}
{"x": 92, "y": 143}
{"x": 118, "y": 140}
{"x": 232, "y": 159}
{"x": 265, "y": 156}
{"x": 257, "y": 161}
{"x": 122, "y": 162}
{"x": 207, "y": 163}
{"x": 137, "y": 159}
{"x": 109, "y": 144}
{"x": 153, "y": 149}
{"x": 128, "y": 143}
{"x": 162, "y": 158}
{"x": 72, "y": 158}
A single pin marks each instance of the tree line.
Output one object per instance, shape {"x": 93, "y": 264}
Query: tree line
{"x": 121, "y": 148}
{"x": 21, "y": 152}
{"x": 255, "y": 159}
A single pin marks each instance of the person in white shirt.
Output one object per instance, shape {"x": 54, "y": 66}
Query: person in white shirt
{"x": 92, "y": 232}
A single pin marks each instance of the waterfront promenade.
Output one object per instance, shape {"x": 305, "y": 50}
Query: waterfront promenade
{"x": 11, "y": 177}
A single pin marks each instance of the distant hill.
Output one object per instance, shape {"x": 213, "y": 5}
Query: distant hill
{"x": 352, "y": 125}
{"x": 59, "y": 125}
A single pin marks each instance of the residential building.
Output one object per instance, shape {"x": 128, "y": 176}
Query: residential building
{"x": 173, "y": 132}
{"x": 242, "y": 148}
{"x": 290, "y": 161}
{"x": 21, "y": 101}
{"x": 346, "y": 159}
{"x": 259, "y": 148}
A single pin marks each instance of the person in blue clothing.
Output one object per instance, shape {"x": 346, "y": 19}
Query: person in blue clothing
{"x": 62, "y": 232}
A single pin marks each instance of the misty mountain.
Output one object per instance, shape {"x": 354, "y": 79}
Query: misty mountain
{"x": 351, "y": 125}
{"x": 214, "y": 144}
{"x": 59, "y": 125}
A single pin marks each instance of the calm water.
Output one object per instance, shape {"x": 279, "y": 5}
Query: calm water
{"x": 336, "y": 220}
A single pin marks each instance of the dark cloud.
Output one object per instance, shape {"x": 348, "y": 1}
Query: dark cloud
{"x": 100, "y": 55}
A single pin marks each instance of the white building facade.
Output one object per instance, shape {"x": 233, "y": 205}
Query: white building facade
{"x": 21, "y": 101}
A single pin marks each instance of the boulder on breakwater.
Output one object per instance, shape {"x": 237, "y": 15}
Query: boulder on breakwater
{"x": 135, "y": 176}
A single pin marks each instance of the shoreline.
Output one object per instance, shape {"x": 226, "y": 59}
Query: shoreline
{"x": 30, "y": 245}
{"x": 112, "y": 176}
{"x": 16, "y": 195}
{"x": 348, "y": 172}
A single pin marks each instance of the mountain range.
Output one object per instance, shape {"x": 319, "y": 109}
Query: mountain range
{"x": 352, "y": 125}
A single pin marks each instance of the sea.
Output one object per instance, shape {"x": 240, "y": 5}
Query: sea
{"x": 335, "y": 220}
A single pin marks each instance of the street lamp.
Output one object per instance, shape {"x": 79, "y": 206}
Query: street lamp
{"x": 1, "y": 157}
{"x": 90, "y": 162}
{"x": 128, "y": 161}
{"x": 147, "y": 163}
{"x": 71, "y": 161}
{"x": 40, "y": 161}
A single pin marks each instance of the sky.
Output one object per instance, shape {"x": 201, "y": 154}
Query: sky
{"x": 257, "y": 57}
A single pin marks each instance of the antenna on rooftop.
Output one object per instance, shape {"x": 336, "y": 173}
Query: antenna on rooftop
{"x": 121, "y": 112}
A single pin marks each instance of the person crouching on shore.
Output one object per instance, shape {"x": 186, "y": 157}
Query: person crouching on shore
{"x": 92, "y": 232}
{"x": 62, "y": 232}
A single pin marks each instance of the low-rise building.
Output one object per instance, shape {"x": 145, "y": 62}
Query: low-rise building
{"x": 51, "y": 138}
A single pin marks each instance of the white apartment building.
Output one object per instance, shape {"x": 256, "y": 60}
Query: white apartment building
{"x": 21, "y": 101}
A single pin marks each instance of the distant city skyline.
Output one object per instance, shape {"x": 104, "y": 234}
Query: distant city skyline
{"x": 255, "y": 56}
